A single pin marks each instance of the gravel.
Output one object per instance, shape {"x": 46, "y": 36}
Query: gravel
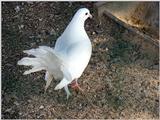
{"x": 120, "y": 82}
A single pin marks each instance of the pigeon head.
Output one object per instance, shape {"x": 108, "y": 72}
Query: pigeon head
{"x": 83, "y": 14}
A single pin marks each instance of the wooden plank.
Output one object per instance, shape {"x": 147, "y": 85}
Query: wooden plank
{"x": 146, "y": 37}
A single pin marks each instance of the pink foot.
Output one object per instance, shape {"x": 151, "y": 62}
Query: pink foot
{"x": 75, "y": 85}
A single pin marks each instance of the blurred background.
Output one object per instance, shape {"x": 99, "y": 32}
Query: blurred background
{"x": 121, "y": 80}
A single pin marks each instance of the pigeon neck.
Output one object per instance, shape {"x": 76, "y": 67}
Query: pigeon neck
{"x": 77, "y": 22}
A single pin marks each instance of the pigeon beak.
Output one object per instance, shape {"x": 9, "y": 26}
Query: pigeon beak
{"x": 90, "y": 16}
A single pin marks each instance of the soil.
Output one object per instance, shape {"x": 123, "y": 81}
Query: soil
{"x": 120, "y": 80}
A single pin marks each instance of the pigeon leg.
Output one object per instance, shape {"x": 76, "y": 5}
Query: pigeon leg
{"x": 47, "y": 84}
{"x": 67, "y": 91}
{"x": 76, "y": 86}
{"x": 48, "y": 79}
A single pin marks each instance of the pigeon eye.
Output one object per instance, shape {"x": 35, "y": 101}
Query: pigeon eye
{"x": 86, "y": 14}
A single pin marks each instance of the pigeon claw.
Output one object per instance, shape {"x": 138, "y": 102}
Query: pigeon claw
{"x": 75, "y": 86}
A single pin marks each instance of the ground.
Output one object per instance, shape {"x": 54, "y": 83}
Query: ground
{"x": 120, "y": 81}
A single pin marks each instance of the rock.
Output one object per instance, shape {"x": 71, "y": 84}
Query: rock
{"x": 40, "y": 19}
{"x": 106, "y": 49}
{"x": 16, "y": 103}
{"x": 41, "y": 107}
{"x": 20, "y": 27}
{"x": 99, "y": 31}
{"x": 33, "y": 44}
{"x": 17, "y": 9}
{"x": 29, "y": 101}
{"x": 70, "y": 4}
{"x": 31, "y": 37}
{"x": 8, "y": 110}
{"x": 52, "y": 32}
{"x": 93, "y": 33}
{"x": 20, "y": 113}
{"x": 80, "y": 106}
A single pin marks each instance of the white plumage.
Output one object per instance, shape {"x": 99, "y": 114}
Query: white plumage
{"x": 68, "y": 59}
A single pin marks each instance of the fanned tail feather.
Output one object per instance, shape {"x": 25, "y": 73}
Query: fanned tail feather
{"x": 46, "y": 59}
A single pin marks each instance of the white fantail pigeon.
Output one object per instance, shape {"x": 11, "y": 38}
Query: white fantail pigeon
{"x": 68, "y": 59}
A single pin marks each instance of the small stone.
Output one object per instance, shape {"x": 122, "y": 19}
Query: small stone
{"x": 29, "y": 101}
{"x": 87, "y": 26}
{"x": 20, "y": 26}
{"x": 33, "y": 44}
{"x": 70, "y": 4}
{"x": 93, "y": 33}
{"x": 41, "y": 107}
{"x": 52, "y": 32}
{"x": 20, "y": 113}
{"x": 41, "y": 40}
{"x": 49, "y": 91}
{"x": 16, "y": 103}
{"x": 17, "y": 9}
{"x": 40, "y": 19}
{"x": 99, "y": 31}
{"x": 31, "y": 37}
{"x": 8, "y": 110}
{"x": 80, "y": 106}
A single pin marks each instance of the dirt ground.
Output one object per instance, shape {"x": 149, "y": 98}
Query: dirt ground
{"x": 121, "y": 82}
